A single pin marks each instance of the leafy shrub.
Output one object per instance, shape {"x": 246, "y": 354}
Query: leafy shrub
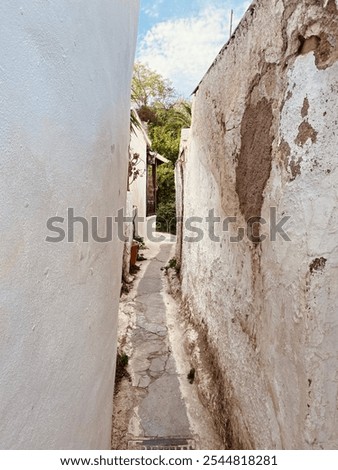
{"x": 166, "y": 217}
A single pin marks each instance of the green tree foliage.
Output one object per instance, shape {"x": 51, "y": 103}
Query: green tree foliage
{"x": 166, "y": 181}
{"x": 165, "y": 115}
{"x": 150, "y": 89}
{"x": 166, "y": 217}
{"x": 165, "y": 129}
{"x": 166, "y": 209}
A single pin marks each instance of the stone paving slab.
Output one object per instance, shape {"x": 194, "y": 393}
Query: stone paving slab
{"x": 157, "y": 407}
{"x": 161, "y": 410}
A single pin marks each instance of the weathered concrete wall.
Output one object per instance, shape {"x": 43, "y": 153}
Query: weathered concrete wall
{"x": 264, "y": 135}
{"x": 65, "y": 73}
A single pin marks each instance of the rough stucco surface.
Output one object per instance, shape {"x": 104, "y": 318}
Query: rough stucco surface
{"x": 264, "y": 134}
{"x": 65, "y": 77}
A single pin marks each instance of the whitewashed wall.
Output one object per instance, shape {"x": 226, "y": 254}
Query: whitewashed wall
{"x": 179, "y": 187}
{"x": 138, "y": 188}
{"x": 264, "y": 134}
{"x": 65, "y": 73}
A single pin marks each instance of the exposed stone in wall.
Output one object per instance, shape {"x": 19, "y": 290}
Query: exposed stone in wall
{"x": 306, "y": 131}
{"x": 254, "y": 160}
{"x": 264, "y": 136}
{"x": 305, "y": 108}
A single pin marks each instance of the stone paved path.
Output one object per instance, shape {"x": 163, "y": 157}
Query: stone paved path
{"x": 161, "y": 403}
{"x": 153, "y": 364}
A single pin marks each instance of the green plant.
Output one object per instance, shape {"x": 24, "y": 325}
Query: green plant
{"x": 121, "y": 369}
{"x": 172, "y": 263}
{"x": 166, "y": 208}
{"x": 165, "y": 128}
{"x": 166, "y": 217}
{"x": 122, "y": 360}
{"x": 166, "y": 182}
{"x": 140, "y": 241}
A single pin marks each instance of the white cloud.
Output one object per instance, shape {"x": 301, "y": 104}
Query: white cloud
{"x": 183, "y": 49}
{"x": 153, "y": 10}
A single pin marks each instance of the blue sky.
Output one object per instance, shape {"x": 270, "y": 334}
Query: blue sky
{"x": 180, "y": 38}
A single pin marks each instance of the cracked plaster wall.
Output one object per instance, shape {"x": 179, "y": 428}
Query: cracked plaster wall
{"x": 264, "y": 134}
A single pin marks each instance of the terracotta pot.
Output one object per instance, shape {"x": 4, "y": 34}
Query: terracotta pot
{"x": 133, "y": 254}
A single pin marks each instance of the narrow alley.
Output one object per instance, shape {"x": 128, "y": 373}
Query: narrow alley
{"x": 156, "y": 406}
{"x": 169, "y": 233}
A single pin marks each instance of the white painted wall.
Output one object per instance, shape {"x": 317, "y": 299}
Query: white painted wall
{"x": 270, "y": 311}
{"x": 128, "y": 239}
{"x": 179, "y": 187}
{"x": 138, "y": 188}
{"x": 65, "y": 73}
